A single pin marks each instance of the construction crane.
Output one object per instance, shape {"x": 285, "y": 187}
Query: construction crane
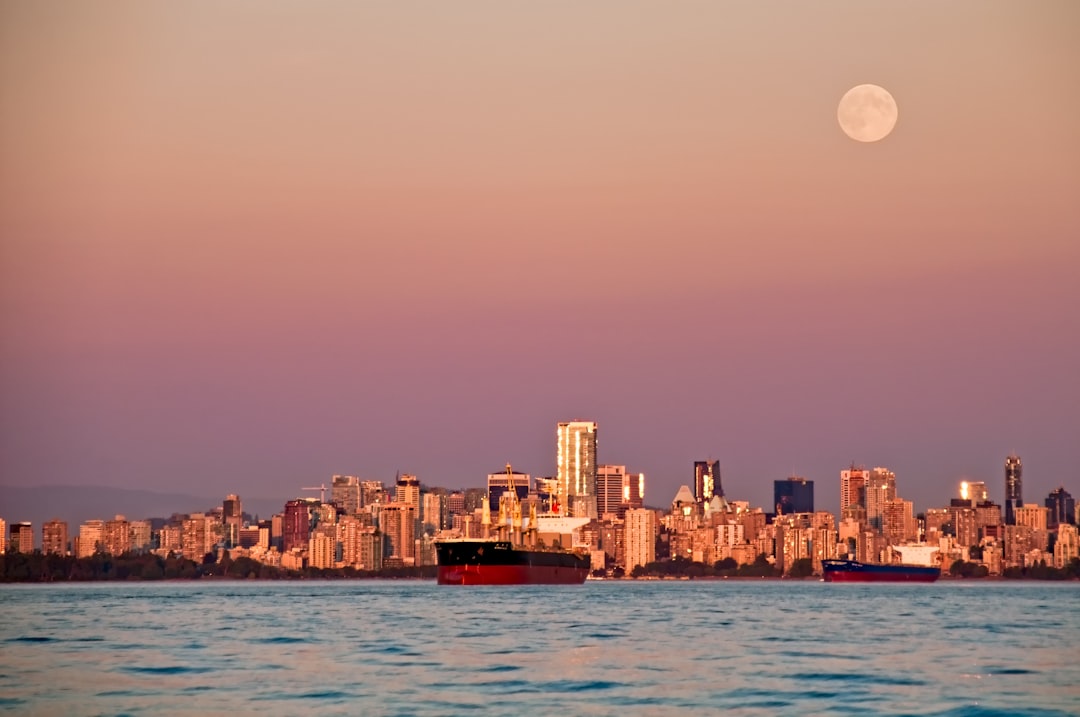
{"x": 320, "y": 488}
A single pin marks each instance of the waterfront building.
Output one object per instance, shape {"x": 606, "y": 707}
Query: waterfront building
{"x": 3, "y": 536}
{"x": 345, "y": 493}
{"x": 576, "y": 462}
{"x": 793, "y": 495}
{"x": 117, "y": 536}
{"x": 54, "y": 537}
{"x": 22, "y": 537}
{"x": 880, "y": 488}
{"x": 91, "y": 538}
{"x": 322, "y": 547}
{"x": 613, "y": 540}
{"x": 141, "y": 535}
{"x": 1067, "y": 545}
{"x": 853, "y": 487}
{"x": 170, "y": 539}
{"x": 640, "y": 538}
{"x": 232, "y": 519}
{"x": 707, "y": 481}
{"x": 198, "y": 536}
{"x": 610, "y": 482}
{"x": 1013, "y": 488}
{"x": 1061, "y": 508}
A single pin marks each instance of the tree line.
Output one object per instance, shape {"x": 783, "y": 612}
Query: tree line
{"x": 37, "y": 567}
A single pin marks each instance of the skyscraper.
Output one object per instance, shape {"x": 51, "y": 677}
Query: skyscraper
{"x": 640, "y": 541}
{"x": 609, "y": 490}
{"x": 880, "y": 488}
{"x": 793, "y": 495}
{"x": 1013, "y": 488}
{"x": 577, "y": 468}
{"x": 232, "y": 518}
{"x": 852, "y": 487}
{"x": 1062, "y": 507}
{"x": 707, "y": 480}
{"x": 54, "y": 537}
{"x": 346, "y": 494}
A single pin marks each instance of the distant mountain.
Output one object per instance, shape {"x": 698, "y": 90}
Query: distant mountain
{"x": 77, "y": 504}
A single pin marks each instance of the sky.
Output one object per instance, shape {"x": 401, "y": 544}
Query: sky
{"x": 246, "y": 246}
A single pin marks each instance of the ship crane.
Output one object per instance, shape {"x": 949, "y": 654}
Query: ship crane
{"x": 320, "y": 488}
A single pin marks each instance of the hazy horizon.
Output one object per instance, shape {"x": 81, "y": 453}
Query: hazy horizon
{"x": 245, "y": 247}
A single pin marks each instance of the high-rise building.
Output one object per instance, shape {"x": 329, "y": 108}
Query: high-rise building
{"x": 3, "y": 536}
{"x": 117, "y": 537}
{"x": 1062, "y": 508}
{"x": 609, "y": 490}
{"x": 345, "y": 492}
{"x": 1014, "y": 498}
{"x": 577, "y": 468}
{"x": 640, "y": 538}
{"x": 54, "y": 537}
{"x": 793, "y": 495}
{"x": 91, "y": 538}
{"x": 880, "y": 488}
{"x": 633, "y": 491}
{"x": 198, "y": 537}
{"x": 498, "y": 484}
{"x": 397, "y": 522}
{"x": 297, "y": 522}
{"x": 372, "y": 492}
{"x": 22, "y": 538}
{"x": 232, "y": 519}
{"x": 407, "y": 490}
{"x": 853, "y": 487}
{"x": 433, "y": 511}
{"x": 140, "y": 535}
{"x": 974, "y": 491}
{"x": 707, "y": 480}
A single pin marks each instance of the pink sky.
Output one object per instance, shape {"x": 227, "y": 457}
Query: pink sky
{"x": 245, "y": 246}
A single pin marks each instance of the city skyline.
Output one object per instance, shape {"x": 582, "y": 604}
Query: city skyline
{"x": 257, "y": 249}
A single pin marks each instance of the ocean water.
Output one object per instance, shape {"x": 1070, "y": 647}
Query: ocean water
{"x": 604, "y": 648}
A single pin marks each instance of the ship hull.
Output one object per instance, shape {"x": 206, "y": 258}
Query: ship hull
{"x": 485, "y": 562}
{"x": 851, "y": 571}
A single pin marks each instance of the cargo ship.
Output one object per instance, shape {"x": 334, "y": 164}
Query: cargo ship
{"x": 498, "y": 562}
{"x": 511, "y": 551}
{"x": 852, "y": 571}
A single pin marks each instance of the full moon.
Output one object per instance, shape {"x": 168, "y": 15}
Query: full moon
{"x": 867, "y": 113}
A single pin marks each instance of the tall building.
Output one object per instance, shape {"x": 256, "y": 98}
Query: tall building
{"x": 296, "y": 523}
{"x": 22, "y": 538}
{"x": 577, "y": 468}
{"x": 397, "y": 522}
{"x": 3, "y": 536}
{"x": 499, "y": 483}
{"x": 880, "y": 488}
{"x": 974, "y": 491}
{"x": 793, "y": 495}
{"x": 1014, "y": 498}
{"x": 54, "y": 537}
{"x": 232, "y": 519}
{"x": 140, "y": 535}
{"x": 707, "y": 480}
{"x": 117, "y": 537}
{"x": 633, "y": 491}
{"x": 640, "y": 538}
{"x": 853, "y": 487}
{"x": 1062, "y": 508}
{"x": 609, "y": 490}
{"x": 407, "y": 490}
{"x": 345, "y": 492}
{"x": 198, "y": 536}
{"x": 91, "y": 538}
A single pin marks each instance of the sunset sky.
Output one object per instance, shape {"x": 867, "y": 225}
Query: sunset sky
{"x": 247, "y": 245}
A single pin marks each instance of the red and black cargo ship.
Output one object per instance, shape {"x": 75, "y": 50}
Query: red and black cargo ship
{"x": 498, "y": 562}
{"x": 852, "y": 571}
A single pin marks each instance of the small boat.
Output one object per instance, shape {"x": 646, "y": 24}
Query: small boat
{"x": 852, "y": 571}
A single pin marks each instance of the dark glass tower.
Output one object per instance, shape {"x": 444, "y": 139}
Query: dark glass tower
{"x": 707, "y": 481}
{"x": 1062, "y": 508}
{"x": 1013, "y": 488}
{"x": 793, "y": 495}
